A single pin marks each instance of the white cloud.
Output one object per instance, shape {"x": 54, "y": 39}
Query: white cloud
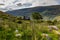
{"x": 12, "y": 4}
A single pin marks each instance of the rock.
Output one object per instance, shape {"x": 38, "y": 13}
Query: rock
{"x": 53, "y": 27}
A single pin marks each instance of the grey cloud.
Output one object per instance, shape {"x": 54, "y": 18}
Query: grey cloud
{"x": 27, "y": 4}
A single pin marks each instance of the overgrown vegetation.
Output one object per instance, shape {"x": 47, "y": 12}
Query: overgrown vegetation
{"x": 18, "y": 28}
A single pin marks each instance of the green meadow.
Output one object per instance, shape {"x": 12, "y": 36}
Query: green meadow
{"x": 35, "y": 28}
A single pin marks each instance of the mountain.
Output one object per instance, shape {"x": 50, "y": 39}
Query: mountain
{"x": 48, "y": 11}
{"x": 5, "y": 16}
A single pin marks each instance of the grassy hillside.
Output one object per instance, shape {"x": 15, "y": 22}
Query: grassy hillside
{"x": 15, "y": 28}
{"x": 57, "y": 18}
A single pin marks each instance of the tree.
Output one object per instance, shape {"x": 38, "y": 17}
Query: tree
{"x": 36, "y": 16}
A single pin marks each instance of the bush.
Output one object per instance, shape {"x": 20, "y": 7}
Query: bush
{"x": 36, "y": 16}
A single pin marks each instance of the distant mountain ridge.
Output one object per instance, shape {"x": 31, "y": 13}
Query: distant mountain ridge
{"x": 50, "y": 11}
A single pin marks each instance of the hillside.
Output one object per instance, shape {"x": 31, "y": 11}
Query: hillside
{"x": 6, "y": 16}
{"x": 50, "y": 11}
{"x": 14, "y": 28}
{"x": 57, "y": 18}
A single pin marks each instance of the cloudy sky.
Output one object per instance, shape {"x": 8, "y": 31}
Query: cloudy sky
{"x": 6, "y": 5}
